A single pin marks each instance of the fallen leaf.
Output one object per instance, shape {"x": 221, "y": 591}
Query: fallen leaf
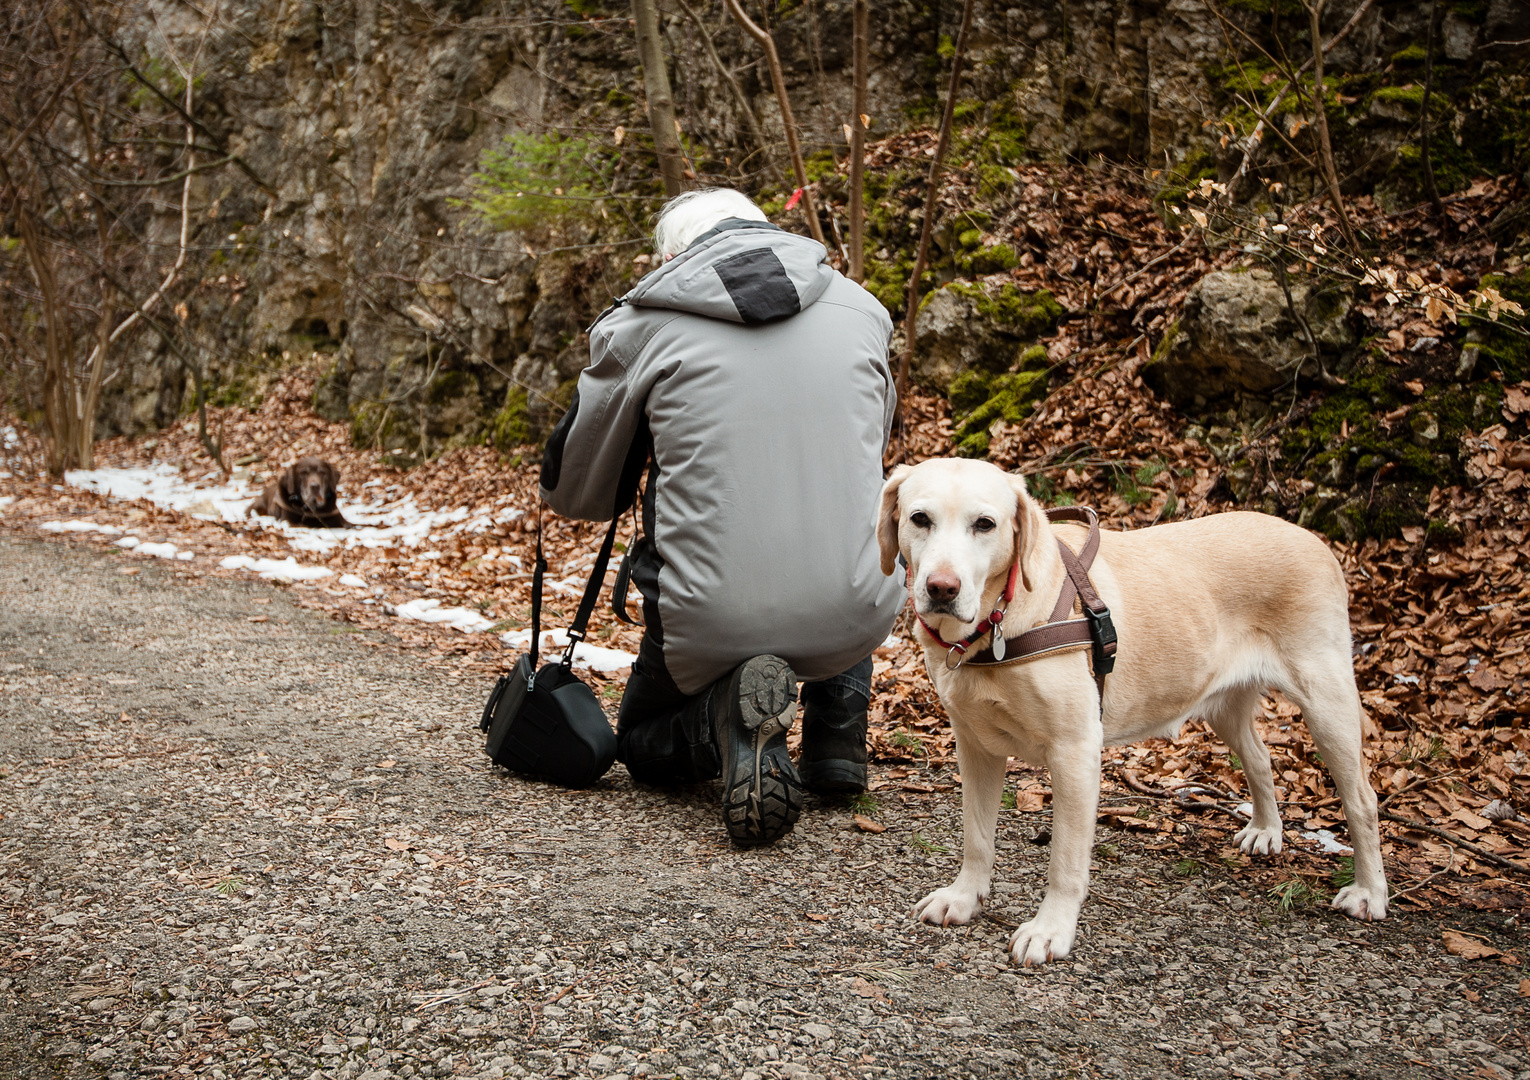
{"x": 819, "y": 918}
{"x": 865, "y": 988}
{"x": 1524, "y": 988}
{"x": 1468, "y": 948}
{"x": 1487, "y": 679}
{"x": 129, "y": 570}
{"x": 1470, "y": 820}
{"x": 388, "y": 764}
{"x": 258, "y": 618}
{"x": 865, "y": 824}
{"x": 396, "y": 845}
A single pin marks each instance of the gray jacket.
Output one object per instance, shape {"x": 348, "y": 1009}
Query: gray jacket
{"x": 762, "y": 376}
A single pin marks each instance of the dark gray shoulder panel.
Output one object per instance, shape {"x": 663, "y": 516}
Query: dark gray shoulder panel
{"x": 759, "y": 286}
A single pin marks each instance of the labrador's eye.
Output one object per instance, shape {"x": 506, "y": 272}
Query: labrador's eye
{"x": 920, "y": 519}
{"x": 984, "y": 524}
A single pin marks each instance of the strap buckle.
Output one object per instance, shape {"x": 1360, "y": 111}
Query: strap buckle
{"x": 1103, "y": 633}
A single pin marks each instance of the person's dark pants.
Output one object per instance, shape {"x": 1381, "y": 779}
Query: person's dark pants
{"x": 664, "y": 736}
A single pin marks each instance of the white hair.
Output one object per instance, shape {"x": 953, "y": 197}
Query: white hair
{"x": 688, "y": 216}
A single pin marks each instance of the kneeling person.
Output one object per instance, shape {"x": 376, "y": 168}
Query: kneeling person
{"x": 759, "y": 375}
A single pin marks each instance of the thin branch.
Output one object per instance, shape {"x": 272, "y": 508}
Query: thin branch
{"x": 932, "y": 191}
{"x": 755, "y": 131}
{"x": 778, "y": 77}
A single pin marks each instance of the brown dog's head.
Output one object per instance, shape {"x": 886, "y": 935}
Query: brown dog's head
{"x": 310, "y": 483}
{"x": 959, "y": 525}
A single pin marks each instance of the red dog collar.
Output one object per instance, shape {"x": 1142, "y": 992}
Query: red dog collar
{"x": 994, "y": 620}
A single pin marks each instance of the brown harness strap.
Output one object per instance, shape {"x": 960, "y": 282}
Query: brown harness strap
{"x": 1061, "y": 633}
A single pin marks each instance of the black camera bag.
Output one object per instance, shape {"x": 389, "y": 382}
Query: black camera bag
{"x": 548, "y": 722}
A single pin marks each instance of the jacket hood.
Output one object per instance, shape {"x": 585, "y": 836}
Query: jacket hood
{"x": 742, "y": 271}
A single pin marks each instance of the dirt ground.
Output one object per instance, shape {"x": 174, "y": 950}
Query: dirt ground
{"x": 240, "y": 839}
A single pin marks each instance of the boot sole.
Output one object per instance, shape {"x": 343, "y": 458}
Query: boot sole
{"x": 762, "y": 792}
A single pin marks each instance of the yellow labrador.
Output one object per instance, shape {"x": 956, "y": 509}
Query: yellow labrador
{"x": 1208, "y": 613}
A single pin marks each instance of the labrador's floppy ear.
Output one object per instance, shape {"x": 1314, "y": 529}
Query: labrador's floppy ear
{"x": 887, "y": 519}
{"x": 1031, "y": 529}
{"x": 287, "y": 485}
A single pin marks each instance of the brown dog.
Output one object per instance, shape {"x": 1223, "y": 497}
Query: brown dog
{"x": 304, "y": 494}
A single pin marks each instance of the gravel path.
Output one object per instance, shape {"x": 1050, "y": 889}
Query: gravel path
{"x": 238, "y": 848}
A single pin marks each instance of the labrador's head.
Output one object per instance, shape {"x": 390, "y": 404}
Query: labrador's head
{"x": 959, "y": 525}
{"x": 310, "y": 482}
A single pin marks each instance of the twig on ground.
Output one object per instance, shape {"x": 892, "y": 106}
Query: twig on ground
{"x": 1476, "y": 849}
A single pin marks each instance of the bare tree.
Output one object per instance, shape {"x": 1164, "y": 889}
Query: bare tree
{"x": 859, "y": 64}
{"x": 77, "y": 185}
{"x": 661, "y": 101}
{"x": 778, "y": 79}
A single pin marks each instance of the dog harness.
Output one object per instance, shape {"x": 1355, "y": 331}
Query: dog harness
{"x": 1060, "y": 633}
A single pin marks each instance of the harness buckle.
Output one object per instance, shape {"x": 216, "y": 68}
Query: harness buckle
{"x": 1103, "y": 633}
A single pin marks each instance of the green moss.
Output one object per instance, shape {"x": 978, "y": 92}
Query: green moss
{"x": 380, "y": 427}
{"x": 1438, "y": 533}
{"x": 511, "y": 426}
{"x": 1413, "y": 56}
{"x": 820, "y": 165}
{"x": 1387, "y": 466}
{"x": 1412, "y": 96}
{"x": 1033, "y": 358}
{"x": 1026, "y": 315}
{"x": 978, "y": 399}
{"x": 990, "y": 260}
{"x": 619, "y": 99}
{"x": 1505, "y": 346}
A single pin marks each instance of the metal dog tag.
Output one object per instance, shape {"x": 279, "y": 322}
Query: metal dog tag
{"x": 998, "y": 645}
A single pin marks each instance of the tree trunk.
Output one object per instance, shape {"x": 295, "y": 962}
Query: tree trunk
{"x": 767, "y": 43}
{"x": 1423, "y": 139}
{"x": 661, "y": 102}
{"x": 1320, "y": 121}
{"x": 858, "y": 144}
{"x": 925, "y": 226}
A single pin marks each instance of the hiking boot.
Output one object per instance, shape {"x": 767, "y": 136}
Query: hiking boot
{"x": 752, "y": 710}
{"x": 833, "y": 756}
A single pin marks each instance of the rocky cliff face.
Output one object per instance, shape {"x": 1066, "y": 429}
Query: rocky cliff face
{"x": 361, "y": 125}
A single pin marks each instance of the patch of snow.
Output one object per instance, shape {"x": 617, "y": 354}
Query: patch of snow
{"x": 352, "y": 581}
{"x": 1246, "y": 809}
{"x": 127, "y": 542}
{"x": 276, "y": 569}
{"x": 892, "y": 642}
{"x": 1327, "y": 843}
{"x": 77, "y": 527}
{"x": 431, "y": 611}
{"x": 586, "y": 655}
{"x": 381, "y": 522}
{"x": 164, "y": 486}
{"x": 6, "y": 500}
{"x": 165, "y": 551}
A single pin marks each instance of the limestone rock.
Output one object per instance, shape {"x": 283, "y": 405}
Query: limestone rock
{"x": 965, "y": 327}
{"x": 1238, "y": 336}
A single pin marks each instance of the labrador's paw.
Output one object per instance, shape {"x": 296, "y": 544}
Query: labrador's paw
{"x": 1040, "y": 941}
{"x": 951, "y": 906}
{"x": 1358, "y": 903}
{"x": 1252, "y": 840}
